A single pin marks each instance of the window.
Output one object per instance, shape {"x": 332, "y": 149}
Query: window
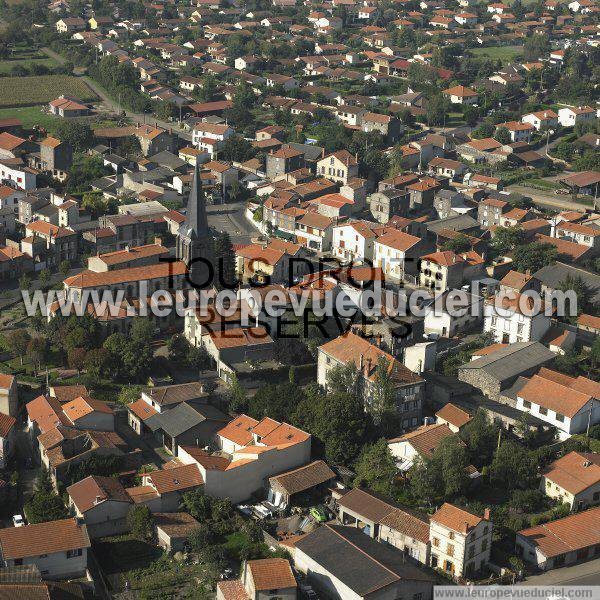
{"x": 435, "y": 542}
{"x": 18, "y": 562}
{"x": 471, "y": 551}
{"x": 451, "y": 535}
{"x": 560, "y": 417}
{"x": 526, "y": 404}
{"x": 485, "y": 530}
{"x": 450, "y": 549}
{"x": 484, "y": 545}
{"x": 543, "y": 411}
{"x": 74, "y": 553}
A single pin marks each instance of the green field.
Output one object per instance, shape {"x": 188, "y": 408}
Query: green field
{"x": 30, "y": 116}
{"x": 29, "y": 91}
{"x": 504, "y": 53}
{"x": 7, "y": 65}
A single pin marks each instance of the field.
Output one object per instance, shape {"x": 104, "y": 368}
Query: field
{"x": 29, "y": 91}
{"x": 7, "y": 65}
{"x": 505, "y": 54}
{"x": 30, "y": 116}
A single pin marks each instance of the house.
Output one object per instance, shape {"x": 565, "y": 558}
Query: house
{"x": 68, "y": 106}
{"x": 57, "y": 548}
{"x": 389, "y": 127}
{"x": 573, "y": 479}
{"x": 347, "y": 565}
{"x": 562, "y": 542}
{"x": 499, "y": 369}
{"x": 570, "y": 404}
{"x": 516, "y": 318}
{"x": 351, "y": 348}
{"x": 490, "y": 211}
{"x": 459, "y": 94}
{"x": 397, "y": 253}
{"x": 461, "y": 542}
{"x": 7, "y": 438}
{"x": 400, "y": 527}
{"x": 584, "y": 182}
{"x": 315, "y": 231}
{"x": 447, "y": 167}
{"x": 284, "y": 160}
{"x": 191, "y": 422}
{"x": 261, "y": 578}
{"x": 87, "y": 413}
{"x": 339, "y": 166}
{"x": 448, "y": 317}
{"x": 15, "y": 172}
{"x": 304, "y": 480}
{"x": 453, "y": 416}
{"x": 442, "y": 270}
{"x": 418, "y": 444}
{"x": 519, "y": 132}
{"x": 542, "y": 120}
{"x": 9, "y": 400}
{"x": 102, "y": 504}
{"x": 573, "y": 115}
{"x": 250, "y": 451}
{"x": 70, "y": 24}
{"x": 173, "y": 529}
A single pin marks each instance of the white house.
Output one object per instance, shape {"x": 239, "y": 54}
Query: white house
{"x": 391, "y": 251}
{"x": 447, "y": 316}
{"x": 571, "y": 116}
{"x": 57, "y": 548}
{"x": 354, "y": 241}
{"x": 567, "y": 403}
{"x": 20, "y": 175}
{"x": 542, "y": 120}
{"x": 461, "y": 542}
{"x": 515, "y": 318}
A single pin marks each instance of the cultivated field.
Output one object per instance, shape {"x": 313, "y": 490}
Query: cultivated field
{"x": 504, "y": 53}
{"x": 29, "y": 91}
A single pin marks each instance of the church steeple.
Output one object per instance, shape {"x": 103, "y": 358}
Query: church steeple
{"x": 193, "y": 239}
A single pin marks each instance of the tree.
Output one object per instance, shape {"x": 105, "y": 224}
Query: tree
{"x": 76, "y": 358}
{"x": 481, "y": 438}
{"x": 198, "y": 504}
{"x": 383, "y": 396}
{"x": 534, "y": 256}
{"x": 376, "y": 468}
{"x": 460, "y": 243}
{"x": 140, "y": 522}
{"x": 93, "y": 202}
{"x": 18, "y": 340}
{"x": 503, "y": 135}
{"x": 44, "y": 278}
{"x": 178, "y": 348}
{"x": 129, "y": 394}
{"x": 582, "y": 292}
{"x": 512, "y": 467}
{"x": 200, "y": 537}
{"x": 64, "y": 267}
{"x": 507, "y": 239}
{"x": 344, "y": 379}
{"x": 236, "y": 395}
{"x": 77, "y": 134}
{"x": 275, "y": 401}
{"x": 225, "y": 262}
{"x": 485, "y": 130}
{"x": 36, "y": 349}
{"x": 436, "y": 110}
{"x": 24, "y": 281}
{"x": 45, "y": 506}
{"x": 536, "y": 46}
{"x": 236, "y": 149}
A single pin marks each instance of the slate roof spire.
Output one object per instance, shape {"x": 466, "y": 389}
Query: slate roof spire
{"x": 196, "y": 224}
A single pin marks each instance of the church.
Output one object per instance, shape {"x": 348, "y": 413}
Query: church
{"x": 194, "y": 242}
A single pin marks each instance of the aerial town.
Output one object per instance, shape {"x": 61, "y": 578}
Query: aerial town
{"x": 299, "y": 299}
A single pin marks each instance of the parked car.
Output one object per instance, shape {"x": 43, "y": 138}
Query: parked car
{"x": 318, "y": 514}
{"x": 18, "y": 521}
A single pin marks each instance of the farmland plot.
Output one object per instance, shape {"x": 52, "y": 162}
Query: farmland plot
{"x": 29, "y": 91}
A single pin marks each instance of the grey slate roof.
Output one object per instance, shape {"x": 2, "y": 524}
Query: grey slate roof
{"x": 552, "y": 275}
{"x": 512, "y": 360}
{"x": 457, "y": 223}
{"x": 184, "y": 417}
{"x": 358, "y": 561}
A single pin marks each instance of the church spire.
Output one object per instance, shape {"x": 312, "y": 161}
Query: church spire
{"x": 196, "y": 224}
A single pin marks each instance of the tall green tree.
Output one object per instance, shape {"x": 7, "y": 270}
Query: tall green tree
{"x": 376, "y": 468}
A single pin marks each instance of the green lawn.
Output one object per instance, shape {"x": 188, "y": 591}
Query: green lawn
{"x": 542, "y": 184}
{"x": 6, "y": 66}
{"x": 504, "y": 53}
{"x": 29, "y": 91}
{"x": 30, "y": 116}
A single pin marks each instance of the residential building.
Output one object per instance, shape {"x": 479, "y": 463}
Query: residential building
{"x": 339, "y": 166}
{"x": 57, "y": 548}
{"x": 9, "y": 399}
{"x": 542, "y": 120}
{"x": 562, "y": 542}
{"x": 573, "y": 115}
{"x": 441, "y": 270}
{"x": 7, "y": 438}
{"x": 350, "y": 348}
{"x": 570, "y": 404}
{"x": 345, "y": 564}
{"x": 102, "y": 504}
{"x": 453, "y": 416}
{"x": 459, "y": 94}
{"x": 516, "y": 318}
{"x": 261, "y": 578}
{"x": 397, "y": 254}
{"x": 448, "y": 317}
{"x": 461, "y": 542}
{"x": 573, "y": 479}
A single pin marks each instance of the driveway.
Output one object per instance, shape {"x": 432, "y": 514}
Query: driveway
{"x": 587, "y": 573}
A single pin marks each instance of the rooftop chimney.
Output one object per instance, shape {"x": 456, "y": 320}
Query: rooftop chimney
{"x": 361, "y": 364}
{"x": 486, "y": 514}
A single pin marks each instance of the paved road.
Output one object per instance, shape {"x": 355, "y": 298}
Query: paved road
{"x": 230, "y": 217}
{"x": 115, "y": 107}
{"x": 587, "y": 573}
{"x": 548, "y": 199}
